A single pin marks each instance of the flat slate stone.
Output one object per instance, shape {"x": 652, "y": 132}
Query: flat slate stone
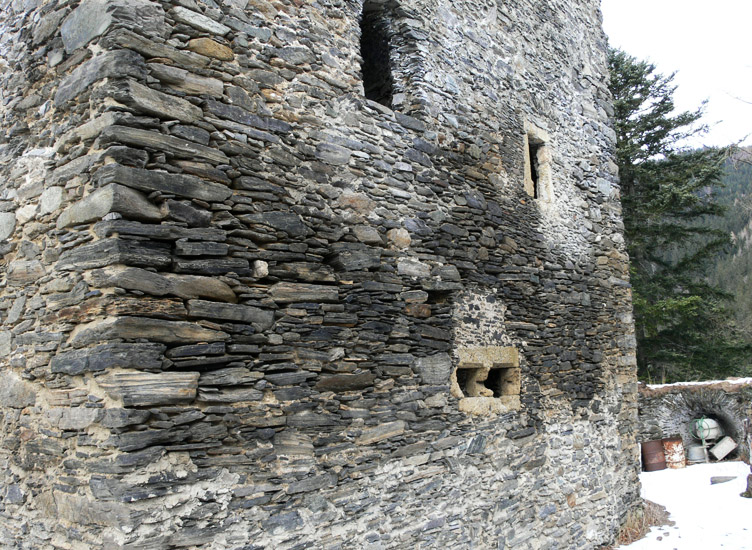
{"x": 289, "y": 378}
{"x": 174, "y": 184}
{"x": 333, "y": 154}
{"x": 367, "y": 234}
{"x": 381, "y": 432}
{"x": 73, "y": 508}
{"x": 355, "y": 256}
{"x": 138, "y": 389}
{"x": 300, "y": 292}
{"x": 111, "y": 198}
{"x": 75, "y": 418}
{"x": 199, "y": 21}
{"x": 229, "y": 395}
{"x": 7, "y": 224}
{"x": 16, "y": 393}
{"x": 312, "y": 484}
{"x": 411, "y": 267}
{"x": 115, "y": 251}
{"x": 240, "y": 115}
{"x": 185, "y": 81}
{"x": 51, "y": 199}
{"x": 21, "y": 272}
{"x": 153, "y": 102}
{"x": 261, "y": 319}
{"x": 288, "y": 222}
{"x": 171, "y": 145}
{"x": 191, "y": 248}
{"x": 215, "y": 348}
{"x": 213, "y": 266}
{"x": 157, "y": 330}
{"x": 106, "y": 356}
{"x": 120, "y": 418}
{"x": 133, "y": 441}
{"x": 345, "y": 382}
{"x": 197, "y": 286}
{"x": 233, "y": 376}
{"x": 185, "y": 212}
{"x": 5, "y": 341}
{"x": 313, "y": 420}
{"x": 119, "y": 63}
{"x": 303, "y": 271}
{"x": 434, "y": 370}
{"x": 165, "y": 232}
{"x": 163, "y": 284}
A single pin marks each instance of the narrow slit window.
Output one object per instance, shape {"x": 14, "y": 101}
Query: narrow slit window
{"x": 375, "y": 52}
{"x": 537, "y": 164}
{"x": 533, "y": 150}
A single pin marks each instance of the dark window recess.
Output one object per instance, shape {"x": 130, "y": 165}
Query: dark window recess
{"x": 473, "y": 384}
{"x": 375, "y": 49}
{"x": 462, "y": 376}
{"x": 503, "y": 382}
{"x": 533, "y": 149}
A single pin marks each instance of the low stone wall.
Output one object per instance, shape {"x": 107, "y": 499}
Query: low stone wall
{"x": 668, "y": 410}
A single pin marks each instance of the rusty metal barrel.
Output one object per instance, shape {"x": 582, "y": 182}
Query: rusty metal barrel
{"x": 653, "y": 457}
{"x": 673, "y": 449}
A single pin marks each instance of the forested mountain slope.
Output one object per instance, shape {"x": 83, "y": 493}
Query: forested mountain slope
{"x": 733, "y": 272}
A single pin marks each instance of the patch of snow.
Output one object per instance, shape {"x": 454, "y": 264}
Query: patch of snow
{"x": 744, "y": 381}
{"x": 707, "y": 517}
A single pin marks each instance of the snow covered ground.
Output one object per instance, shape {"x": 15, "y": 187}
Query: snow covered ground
{"x": 707, "y": 517}
{"x": 731, "y": 381}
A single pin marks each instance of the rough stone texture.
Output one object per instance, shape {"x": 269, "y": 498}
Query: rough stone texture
{"x": 668, "y": 410}
{"x": 112, "y": 198}
{"x": 7, "y": 225}
{"x": 234, "y": 290}
{"x": 92, "y": 18}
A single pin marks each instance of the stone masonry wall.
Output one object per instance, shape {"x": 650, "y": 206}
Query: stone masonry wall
{"x": 240, "y": 300}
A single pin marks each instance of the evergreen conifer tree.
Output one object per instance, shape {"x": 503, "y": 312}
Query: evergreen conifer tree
{"x": 683, "y": 327}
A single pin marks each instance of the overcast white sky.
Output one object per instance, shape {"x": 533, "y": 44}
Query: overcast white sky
{"x": 707, "y": 42}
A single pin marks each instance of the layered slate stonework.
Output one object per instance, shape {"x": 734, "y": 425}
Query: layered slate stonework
{"x": 311, "y": 274}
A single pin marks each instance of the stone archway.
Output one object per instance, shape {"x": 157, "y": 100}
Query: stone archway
{"x": 668, "y": 410}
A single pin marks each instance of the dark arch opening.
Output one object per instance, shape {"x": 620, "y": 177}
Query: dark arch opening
{"x": 719, "y": 406}
{"x": 670, "y": 412}
{"x": 728, "y": 428}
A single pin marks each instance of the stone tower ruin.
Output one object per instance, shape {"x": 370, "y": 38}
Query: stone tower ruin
{"x": 329, "y": 274}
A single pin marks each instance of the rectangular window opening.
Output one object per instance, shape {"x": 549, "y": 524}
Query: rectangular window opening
{"x": 487, "y": 379}
{"x": 537, "y": 171}
{"x": 488, "y": 382}
{"x": 533, "y": 150}
{"x": 375, "y": 51}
